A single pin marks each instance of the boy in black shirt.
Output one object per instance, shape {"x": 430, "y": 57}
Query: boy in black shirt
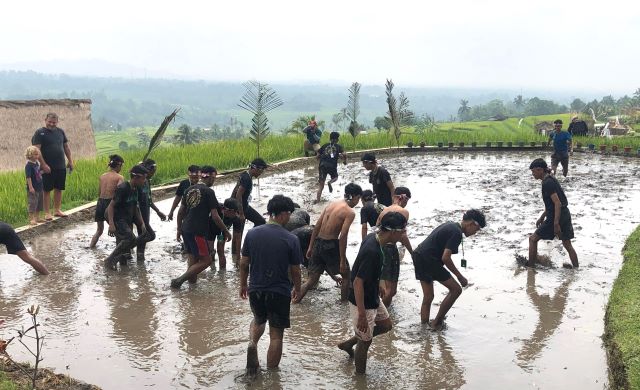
{"x": 369, "y": 212}
{"x": 379, "y": 178}
{"x": 328, "y": 156}
{"x": 368, "y": 313}
{"x": 430, "y": 257}
{"x": 555, "y": 221}
{"x": 122, "y": 212}
{"x": 228, "y": 213}
{"x": 199, "y": 204}
{"x": 146, "y": 204}
{"x": 194, "y": 178}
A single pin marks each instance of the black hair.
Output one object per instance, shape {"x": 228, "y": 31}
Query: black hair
{"x": 208, "y": 169}
{"x": 193, "y": 168}
{"x": 138, "y": 170}
{"x": 115, "y": 160}
{"x": 557, "y": 122}
{"x": 351, "y": 190}
{"x": 475, "y": 215}
{"x": 258, "y": 163}
{"x": 231, "y": 204}
{"x": 149, "y": 164}
{"x": 370, "y": 157}
{"x": 278, "y": 204}
{"x": 334, "y": 135}
{"x": 368, "y": 195}
{"x": 393, "y": 220}
{"x": 402, "y": 191}
{"x": 540, "y": 163}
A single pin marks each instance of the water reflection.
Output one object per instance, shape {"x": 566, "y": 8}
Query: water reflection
{"x": 442, "y": 370}
{"x": 550, "y": 312}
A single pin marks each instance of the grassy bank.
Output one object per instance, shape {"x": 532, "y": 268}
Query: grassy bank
{"x": 622, "y": 320}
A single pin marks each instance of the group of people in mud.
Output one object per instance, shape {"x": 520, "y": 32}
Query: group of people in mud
{"x": 270, "y": 257}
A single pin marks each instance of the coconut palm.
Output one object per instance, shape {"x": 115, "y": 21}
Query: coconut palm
{"x": 301, "y": 122}
{"x": 187, "y": 136}
{"x": 399, "y": 114}
{"x": 157, "y": 137}
{"x": 352, "y": 111}
{"x": 519, "y": 102}
{"x": 259, "y": 99}
{"x": 464, "y": 110}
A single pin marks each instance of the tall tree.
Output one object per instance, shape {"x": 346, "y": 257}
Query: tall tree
{"x": 187, "y": 136}
{"x": 399, "y": 113}
{"x": 463, "y": 111}
{"x": 519, "y": 102}
{"x": 259, "y": 99}
{"x": 352, "y": 111}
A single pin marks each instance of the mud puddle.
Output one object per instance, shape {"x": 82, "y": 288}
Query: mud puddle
{"x": 512, "y": 327}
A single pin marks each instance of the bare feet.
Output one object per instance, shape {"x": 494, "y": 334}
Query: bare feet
{"x": 33, "y": 222}
{"x": 436, "y": 326}
{"x": 347, "y": 346}
{"x": 569, "y": 266}
{"x": 252, "y": 360}
{"x": 48, "y": 217}
{"x": 60, "y": 214}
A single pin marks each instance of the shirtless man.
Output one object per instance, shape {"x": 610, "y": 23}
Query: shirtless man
{"x": 328, "y": 246}
{"x": 107, "y": 188}
{"x": 391, "y": 263}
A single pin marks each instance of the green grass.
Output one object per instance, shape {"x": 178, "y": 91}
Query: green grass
{"x": 6, "y": 384}
{"x": 622, "y": 324}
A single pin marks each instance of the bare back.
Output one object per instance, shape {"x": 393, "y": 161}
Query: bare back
{"x": 108, "y": 183}
{"x": 333, "y": 218}
{"x": 393, "y": 207}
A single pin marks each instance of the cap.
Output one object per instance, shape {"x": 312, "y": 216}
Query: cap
{"x": 538, "y": 163}
{"x": 393, "y": 221}
{"x": 368, "y": 157}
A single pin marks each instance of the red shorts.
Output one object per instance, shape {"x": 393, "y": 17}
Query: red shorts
{"x": 195, "y": 245}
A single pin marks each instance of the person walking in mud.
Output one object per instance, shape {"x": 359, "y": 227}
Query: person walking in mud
{"x": 391, "y": 264}
{"x": 146, "y": 204}
{"x": 269, "y": 255}
{"x": 193, "y": 177}
{"x": 368, "y": 313}
{"x": 312, "y": 140}
{"x": 242, "y": 193}
{"x": 229, "y": 214}
{"x": 379, "y": 178}
{"x": 555, "y": 220}
{"x": 122, "y": 213}
{"x": 199, "y": 205}
{"x": 562, "y": 147}
{"x": 107, "y": 185}
{"x": 10, "y": 239}
{"x": 431, "y": 257}
{"x": 369, "y": 212}
{"x": 328, "y": 245}
{"x": 54, "y": 146}
{"x": 328, "y": 155}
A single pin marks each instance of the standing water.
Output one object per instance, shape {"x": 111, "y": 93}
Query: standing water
{"x": 512, "y": 327}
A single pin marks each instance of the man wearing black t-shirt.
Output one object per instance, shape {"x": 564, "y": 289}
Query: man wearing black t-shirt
{"x": 431, "y": 257}
{"x": 328, "y": 156}
{"x": 369, "y": 212}
{"x": 199, "y": 204}
{"x": 54, "y": 146}
{"x": 229, "y": 213}
{"x": 555, "y": 221}
{"x": 368, "y": 313}
{"x": 242, "y": 192}
{"x": 379, "y": 178}
{"x": 122, "y": 212}
{"x": 193, "y": 173}
{"x": 145, "y": 202}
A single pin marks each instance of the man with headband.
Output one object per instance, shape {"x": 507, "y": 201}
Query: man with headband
{"x": 328, "y": 246}
{"x": 555, "y": 221}
{"x": 193, "y": 173}
{"x": 242, "y": 193}
{"x": 368, "y": 313}
{"x": 379, "y": 178}
{"x": 431, "y": 257}
{"x": 391, "y": 264}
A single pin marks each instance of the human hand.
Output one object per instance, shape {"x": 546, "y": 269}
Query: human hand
{"x": 70, "y": 165}
{"x": 244, "y": 292}
{"x": 143, "y": 229}
{"x": 539, "y": 222}
{"x": 46, "y": 168}
{"x": 363, "y": 324}
{"x": 295, "y": 293}
{"x": 162, "y": 216}
{"x": 463, "y": 281}
{"x": 170, "y": 216}
{"x": 309, "y": 253}
{"x": 112, "y": 230}
{"x": 179, "y": 236}
{"x": 32, "y": 190}
{"x": 227, "y": 236}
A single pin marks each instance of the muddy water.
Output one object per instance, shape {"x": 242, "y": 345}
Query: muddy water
{"x": 512, "y": 327}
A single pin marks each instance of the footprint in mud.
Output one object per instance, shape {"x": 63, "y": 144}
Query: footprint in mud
{"x": 543, "y": 260}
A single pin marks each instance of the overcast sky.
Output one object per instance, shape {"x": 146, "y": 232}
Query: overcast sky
{"x": 559, "y": 44}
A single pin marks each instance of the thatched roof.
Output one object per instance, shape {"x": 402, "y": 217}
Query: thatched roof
{"x": 19, "y": 119}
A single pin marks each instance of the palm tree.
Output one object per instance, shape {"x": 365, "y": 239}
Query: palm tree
{"x": 187, "y": 136}
{"x": 301, "y": 122}
{"x": 352, "y": 111}
{"x": 464, "y": 110}
{"x": 259, "y": 99}
{"x": 399, "y": 113}
{"x": 519, "y": 102}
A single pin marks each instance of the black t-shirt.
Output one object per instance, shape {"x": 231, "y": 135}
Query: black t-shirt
{"x": 368, "y": 267}
{"x": 214, "y": 230}
{"x": 198, "y": 200}
{"x": 379, "y": 178}
{"x": 51, "y": 146}
{"x": 182, "y": 187}
{"x": 144, "y": 195}
{"x": 370, "y": 212}
{"x": 304, "y": 236}
{"x": 32, "y": 171}
{"x": 329, "y": 154}
{"x": 446, "y": 236}
{"x": 551, "y": 186}
{"x": 245, "y": 181}
{"x": 125, "y": 202}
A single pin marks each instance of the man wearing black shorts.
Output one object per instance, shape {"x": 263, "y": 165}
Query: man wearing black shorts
{"x": 242, "y": 192}
{"x": 328, "y": 156}
{"x": 368, "y": 313}
{"x": 269, "y": 254}
{"x": 10, "y": 239}
{"x": 122, "y": 212}
{"x": 555, "y": 221}
{"x": 379, "y": 178}
{"x": 229, "y": 213}
{"x": 430, "y": 257}
{"x": 54, "y": 146}
{"x": 193, "y": 173}
{"x": 369, "y": 212}
{"x": 199, "y": 204}
{"x": 146, "y": 205}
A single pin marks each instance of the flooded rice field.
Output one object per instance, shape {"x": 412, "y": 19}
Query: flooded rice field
{"x": 512, "y": 327}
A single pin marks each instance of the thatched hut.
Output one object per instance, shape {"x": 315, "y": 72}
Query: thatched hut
{"x": 19, "y": 119}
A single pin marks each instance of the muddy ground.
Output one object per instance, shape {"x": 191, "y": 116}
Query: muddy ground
{"x": 513, "y": 327}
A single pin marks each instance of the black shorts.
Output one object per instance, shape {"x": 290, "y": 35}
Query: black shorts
{"x": 101, "y": 210}
{"x": 325, "y": 256}
{"x": 429, "y": 269}
{"x": 9, "y": 238}
{"x": 545, "y": 231}
{"x": 391, "y": 263}
{"x": 560, "y": 157}
{"x": 124, "y": 230}
{"x": 251, "y": 215}
{"x": 323, "y": 171}
{"x": 267, "y": 305}
{"x": 54, "y": 180}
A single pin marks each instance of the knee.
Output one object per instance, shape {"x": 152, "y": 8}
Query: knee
{"x": 385, "y": 326}
{"x": 533, "y": 239}
{"x": 456, "y": 291}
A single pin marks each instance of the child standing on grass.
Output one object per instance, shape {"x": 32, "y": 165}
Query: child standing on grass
{"x": 34, "y": 185}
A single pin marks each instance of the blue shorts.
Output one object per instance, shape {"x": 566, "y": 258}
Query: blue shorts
{"x": 195, "y": 245}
